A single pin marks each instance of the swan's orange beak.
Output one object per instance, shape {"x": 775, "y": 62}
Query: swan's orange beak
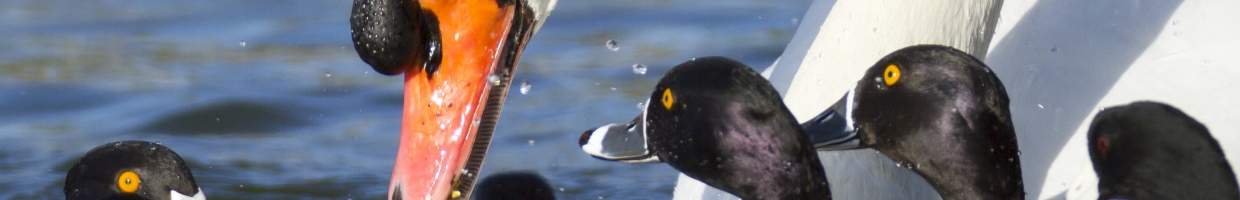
{"x": 458, "y": 57}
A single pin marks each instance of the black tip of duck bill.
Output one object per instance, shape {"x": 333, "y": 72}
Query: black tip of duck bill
{"x": 391, "y": 35}
{"x": 833, "y": 129}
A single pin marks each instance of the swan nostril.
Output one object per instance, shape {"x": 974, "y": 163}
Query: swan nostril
{"x": 431, "y": 43}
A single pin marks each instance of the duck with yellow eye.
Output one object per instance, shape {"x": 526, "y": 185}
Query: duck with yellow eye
{"x": 131, "y": 170}
{"x": 718, "y": 121}
{"x": 937, "y": 111}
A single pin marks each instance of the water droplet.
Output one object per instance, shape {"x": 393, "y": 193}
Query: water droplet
{"x": 561, "y": 189}
{"x": 525, "y": 87}
{"x": 531, "y": 142}
{"x": 241, "y": 186}
{"x": 613, "y": 88}
{"x": 494, "y": 79}
{"x": 906, "y": 165}
{"x": 242, "y": 43}
{"x": 612, "y": 45}
{"x": 328, "y": 75}
{"x": 641, "y": 105}
{"x": 639, "y": 69}
{"x": 1040, "y": 106}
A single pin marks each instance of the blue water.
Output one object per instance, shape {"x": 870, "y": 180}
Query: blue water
{"x": 267, "y": 100}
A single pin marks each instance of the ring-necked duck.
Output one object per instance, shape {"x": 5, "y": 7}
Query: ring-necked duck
{"x": 718, "y": 121}
{"x": 1151, "y": 150}
{"x": 937, "y": 111}
{"x": 131, "y": 170}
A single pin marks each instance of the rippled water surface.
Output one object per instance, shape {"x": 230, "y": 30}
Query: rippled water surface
{"x": 267, "y": 100}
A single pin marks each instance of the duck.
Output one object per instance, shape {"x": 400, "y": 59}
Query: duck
{"x": 514, "y": 185}
{"x": 457, "y": 58}
{"x": 1152, "y": 150}
{"x": 718, "y": 121}
{"x": 937, "y": 111}
{"x": 131, "y": 170}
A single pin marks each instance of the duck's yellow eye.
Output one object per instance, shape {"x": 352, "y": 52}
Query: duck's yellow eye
{"x": 128, "y": 181}
{"x": 668, "y": 99}
{"x": 891, "y": 75}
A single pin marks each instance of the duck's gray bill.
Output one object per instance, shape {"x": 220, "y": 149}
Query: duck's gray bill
{"x": 618, "y": 142}
{"x": 833, "y": 129}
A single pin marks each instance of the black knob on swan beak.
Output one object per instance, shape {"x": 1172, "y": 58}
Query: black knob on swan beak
{"x": 392, "y": 35}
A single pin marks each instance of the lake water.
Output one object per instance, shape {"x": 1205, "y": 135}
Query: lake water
{"x": 267, "y": 99}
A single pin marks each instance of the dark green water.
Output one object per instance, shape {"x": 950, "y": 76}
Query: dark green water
{"x": 267, "y": 99}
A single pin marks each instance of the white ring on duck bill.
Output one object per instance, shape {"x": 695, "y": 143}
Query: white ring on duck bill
{"x": 848, "y": 110}
{"x": 595, "y": 144}
{"x": 650, "y": 157}
{"x": 178, "y": 196}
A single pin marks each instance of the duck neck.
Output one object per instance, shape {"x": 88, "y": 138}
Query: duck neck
{"x": 965, "y": 179}
{"x": 808, "y": 184}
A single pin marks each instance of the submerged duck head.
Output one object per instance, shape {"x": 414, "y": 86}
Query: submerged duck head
{"x": 1151, "y": 150}
{"x": 936, "y": 110}
{"x": 514, "y": 185}
{"x": 718, "y": 121}
{"x": 131, "y": 170}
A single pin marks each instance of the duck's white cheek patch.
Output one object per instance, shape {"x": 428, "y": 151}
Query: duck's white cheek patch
{"x": 178, "y": 196}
